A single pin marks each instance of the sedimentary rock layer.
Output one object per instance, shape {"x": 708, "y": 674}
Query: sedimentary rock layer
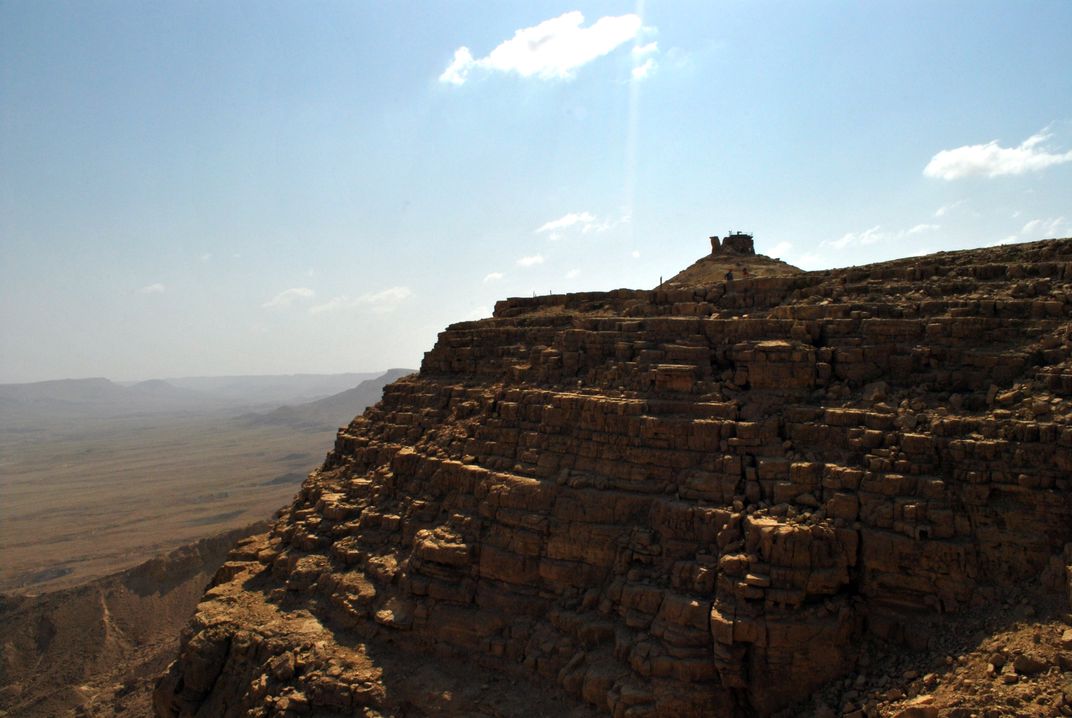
{"x": 689, "y": 501}
{"x": 96, "y": 650}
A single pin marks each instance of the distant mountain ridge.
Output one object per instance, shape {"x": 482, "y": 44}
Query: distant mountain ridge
{"x": 273, "y": 389}
{"x": 100, "y": 397}
{"x": 333, "y": 411}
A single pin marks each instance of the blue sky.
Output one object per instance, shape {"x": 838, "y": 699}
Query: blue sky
{"x": 264, "y": 187}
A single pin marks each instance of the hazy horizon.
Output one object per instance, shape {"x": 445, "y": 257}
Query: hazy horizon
{"x": 138, "y": 380}
{"x": 131, "y": 382}
{"x": 199, "y": 189}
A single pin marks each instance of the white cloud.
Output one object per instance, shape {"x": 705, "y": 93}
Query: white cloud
{"x": 649, "y": 49}
{"x": 585, "y": 222}
{"x": 584, "y": 219}
{"x": 553, "y": 49}
{"x": 493, "y": 277}
{"x": 780, "y": 249}
{"x": 479, "y": 313}
{"x": 573, "y": 274}
{"x": 868, "y": 236}
{"x": 458, "y": 70}
{"x": 644, "y": 62}
{"x": 288, "y": 297}
{"x": 333, "y": 304}
{"x": 846, "y": 239}
{"x": 947, "y": 208}
{"x": 383, "y": 301}
{"x": 156, "y": 288}
{"x": 1036, "y": 229}
{"x": 1046, "y": 228}
{"x": 993, "y": 160}
{"x": 678, "y": 59}
{"x": 635, "y": 254}
{"x": 812, "y": 261}
{"x": 641, "y": 72}
{"x": 871, "y": 236}
{"x": 206, "y": 257}
{"x": 530, "y": 261}
{"x": 876, "y": 234}
{"x": 391, "y": 295}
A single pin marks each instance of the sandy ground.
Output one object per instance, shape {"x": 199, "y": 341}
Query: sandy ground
{"x": 83, "y": 501}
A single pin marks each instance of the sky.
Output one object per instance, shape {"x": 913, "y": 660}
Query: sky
{"x": 206, "y": 188}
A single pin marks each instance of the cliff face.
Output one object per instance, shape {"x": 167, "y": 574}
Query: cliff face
{"x": 689, "y": 501}
{"x": 97, "y": 649}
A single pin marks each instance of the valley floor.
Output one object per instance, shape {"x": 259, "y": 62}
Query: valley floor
{"x": 80, "y": 501}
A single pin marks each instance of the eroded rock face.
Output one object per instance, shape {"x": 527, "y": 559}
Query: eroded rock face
{"x": 686, "y": 502}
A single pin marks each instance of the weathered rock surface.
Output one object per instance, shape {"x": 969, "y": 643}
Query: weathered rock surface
{"x": 693, "y": 501}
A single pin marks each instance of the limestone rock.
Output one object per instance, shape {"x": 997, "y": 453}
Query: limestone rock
{"x": 688, "y": 501}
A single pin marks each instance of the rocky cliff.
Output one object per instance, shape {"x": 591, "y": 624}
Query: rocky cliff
{"x": 96, "y": 650}
{"x": 690, "y": 501}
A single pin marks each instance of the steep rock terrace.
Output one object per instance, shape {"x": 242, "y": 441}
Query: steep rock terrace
{"x": 685, "y": 501}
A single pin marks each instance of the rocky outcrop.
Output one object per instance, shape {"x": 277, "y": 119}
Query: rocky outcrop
{"x": 690, "y": 501}
{"x": 733, "y": 258}
{"x": 734, "y": 243}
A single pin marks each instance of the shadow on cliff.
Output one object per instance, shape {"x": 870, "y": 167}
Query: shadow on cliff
{"x": 420, "y": 681}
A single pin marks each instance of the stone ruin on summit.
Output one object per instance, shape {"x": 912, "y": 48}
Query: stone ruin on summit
{"x": 734, "y": 243}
